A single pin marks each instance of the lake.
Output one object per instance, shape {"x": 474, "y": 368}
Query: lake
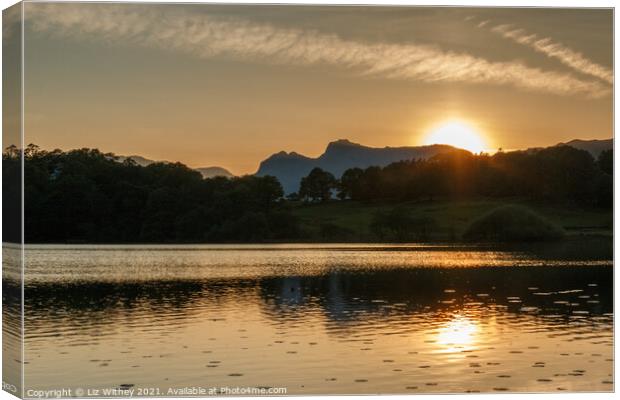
{"x": 315, "y": 319}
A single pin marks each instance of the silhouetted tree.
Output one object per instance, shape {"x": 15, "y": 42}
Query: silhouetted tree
{"x": 11, "y": 194}
{"x": 86, "y": 195}
{"x": 349, "y": 184}
{"x": 559, "y": 174}
{"x": 606, "y": 161}
{"x": 317, "y": 186}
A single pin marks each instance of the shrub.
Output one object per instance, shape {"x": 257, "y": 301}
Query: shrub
{"x": 512, "y": 223}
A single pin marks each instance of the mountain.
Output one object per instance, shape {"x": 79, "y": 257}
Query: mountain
{"x": 211, "y": 172}
{"x": 339, "y": 156}
{"x": 594, "y": 147}
{"x": 207, "y": 172}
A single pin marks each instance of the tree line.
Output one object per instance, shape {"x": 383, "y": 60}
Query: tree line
{"x": 557, "y": 174}
{"x": 86, "y": 195}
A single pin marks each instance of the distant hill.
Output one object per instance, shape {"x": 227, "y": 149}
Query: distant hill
{"x": 138, "y": 159}
{"x": 339, "y": 156}
{"x": 207, "y": 172}
{"x": 594, "y": 147}
{"x": 211, "y": 172}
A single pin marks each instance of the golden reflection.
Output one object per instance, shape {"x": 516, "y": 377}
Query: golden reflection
{"x": 457, "y": 334}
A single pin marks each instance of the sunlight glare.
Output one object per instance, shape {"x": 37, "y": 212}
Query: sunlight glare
{"x": 458, "y": 134}
{"x": 457, "y": 332}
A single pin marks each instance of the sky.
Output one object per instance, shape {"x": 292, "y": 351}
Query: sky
{"x": 229, "y": 85}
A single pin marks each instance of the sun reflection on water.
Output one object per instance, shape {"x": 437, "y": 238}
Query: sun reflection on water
{"x": 457, "y": 334}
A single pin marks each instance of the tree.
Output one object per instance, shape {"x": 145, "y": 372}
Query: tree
{"x": 349, "y": 184}
{"x": 317, "y": 186}
{"x": 563, "y": 173}
{"x": 89, "y": 196}
{"x": 606, "y": 161}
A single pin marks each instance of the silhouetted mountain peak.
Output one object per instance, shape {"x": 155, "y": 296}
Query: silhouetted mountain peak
{"x": 283, "y": 155}
{"x": 343, "y": 143}
{"x": 342, "y": 146}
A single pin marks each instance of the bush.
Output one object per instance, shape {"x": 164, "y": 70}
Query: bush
{"x": 512, "y": 223}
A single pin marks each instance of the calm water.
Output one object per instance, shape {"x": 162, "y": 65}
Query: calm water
{"x": 317, "y": 318}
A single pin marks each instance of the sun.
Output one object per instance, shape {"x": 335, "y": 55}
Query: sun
{"x": 458, "y": 134}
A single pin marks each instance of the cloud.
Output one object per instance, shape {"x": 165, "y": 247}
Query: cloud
{"x": 205, "y": 36}
{"x": 564, "y": 54}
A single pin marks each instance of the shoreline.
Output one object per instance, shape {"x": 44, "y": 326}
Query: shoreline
{"x": 570, "y": 237}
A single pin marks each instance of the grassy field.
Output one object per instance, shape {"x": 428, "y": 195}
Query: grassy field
{"x": 351, "y": 220}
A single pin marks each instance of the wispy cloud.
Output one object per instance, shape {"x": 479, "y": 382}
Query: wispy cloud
{"x": 205, "y": 36}
{"x": 547, "y": 46}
